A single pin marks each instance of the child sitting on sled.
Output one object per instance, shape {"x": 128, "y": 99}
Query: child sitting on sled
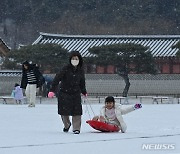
{"x": 112, "y": 114}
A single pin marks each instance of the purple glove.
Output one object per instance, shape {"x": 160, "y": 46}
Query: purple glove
{"x": 85, "y": 95}
{"x": 137, "y": 106}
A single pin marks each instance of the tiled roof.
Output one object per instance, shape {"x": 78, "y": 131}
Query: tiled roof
{"x": 10, "y": 73}
{"x": 4, "y": 49}
{"x": 159, "y": 45}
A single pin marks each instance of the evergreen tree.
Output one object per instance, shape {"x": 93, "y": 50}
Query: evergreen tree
{"x": 177, "y": 46}
{"x": 48, "y": 56}
{"x": 127, "y": 58}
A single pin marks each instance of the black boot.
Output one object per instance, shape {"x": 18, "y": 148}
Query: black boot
{"x": 76, "y": 131}
{"x": 66, "y": 129}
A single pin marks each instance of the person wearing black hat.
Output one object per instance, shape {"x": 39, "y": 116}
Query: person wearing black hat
{"x": 72, "y": 84}
{"x": 112, "y": 114}
{"x": 31, "y": 79}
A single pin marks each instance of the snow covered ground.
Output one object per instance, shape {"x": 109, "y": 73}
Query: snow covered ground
{"x": 153, "y": 129}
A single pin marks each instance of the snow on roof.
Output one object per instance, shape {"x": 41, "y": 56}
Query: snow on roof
{"x": 3, "y": 47}
{"x": 159, "y": 45}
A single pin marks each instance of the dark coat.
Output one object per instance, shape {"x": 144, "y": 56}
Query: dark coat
{"x": 72, "y": 84}
{"x": 39, "y": 78}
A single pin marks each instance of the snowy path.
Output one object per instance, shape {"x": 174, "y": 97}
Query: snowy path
{"x": 39, "y": 130}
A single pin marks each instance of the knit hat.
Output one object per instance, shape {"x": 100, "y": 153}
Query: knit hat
{"x": 16, "y": 84}
{"x": 110, "y": 99}
{"x": 26, "y": 63}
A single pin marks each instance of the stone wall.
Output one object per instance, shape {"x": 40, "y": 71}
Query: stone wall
{"x": 112, "y": 84}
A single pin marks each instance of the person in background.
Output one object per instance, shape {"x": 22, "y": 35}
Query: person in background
{"x": 31, "y": 79}
{"x": 72, "y": 84}
{"x": 47, "y": 85}
{"x": 18, "y": 94}
{"x": 112, "y": 114}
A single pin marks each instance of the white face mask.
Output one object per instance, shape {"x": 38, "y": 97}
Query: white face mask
{"x": 74, "y": 62}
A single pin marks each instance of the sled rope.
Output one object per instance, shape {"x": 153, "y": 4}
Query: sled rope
{"x": 87, "y": 111}
{"x": 89, "y": 104}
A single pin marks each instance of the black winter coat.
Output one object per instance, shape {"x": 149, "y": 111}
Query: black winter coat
{"x": 70, "y": 83}
{"x": 39, "y": 78}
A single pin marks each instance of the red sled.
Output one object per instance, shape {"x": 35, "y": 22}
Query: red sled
{"x": 102, "y": 126}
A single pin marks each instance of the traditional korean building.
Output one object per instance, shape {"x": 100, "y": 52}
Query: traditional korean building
{"x": 159, "y": 45}
{"x": 3, "y": 51}
{"x": 3, "y": 48}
